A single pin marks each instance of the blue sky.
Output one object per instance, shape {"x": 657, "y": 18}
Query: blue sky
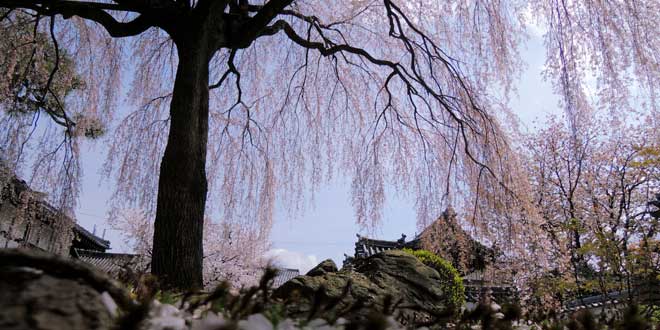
{"x": 326, "y": 230}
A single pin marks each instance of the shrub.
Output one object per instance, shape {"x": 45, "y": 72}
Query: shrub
{"x": 452, "y": 282}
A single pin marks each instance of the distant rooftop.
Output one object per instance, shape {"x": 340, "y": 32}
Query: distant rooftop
{"x": 110, "y": 263}
{"x": 284, "y": 275}
{"x": 88, "y": 241}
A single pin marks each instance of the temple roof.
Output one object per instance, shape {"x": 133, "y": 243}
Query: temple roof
{"x": 444, "y": 237}
{"x": 365, "y": 247}
{"x": 284, "y": 275}
{"x": 110, "y": 263}
{"x": 85, "y": 240}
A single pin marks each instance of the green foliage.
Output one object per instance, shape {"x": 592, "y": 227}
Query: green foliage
{"x": 551, "y": 325}
{"x": 38, "y": 77}
{"x": 647, "y": 157}
{"x": 653, "y": 312}
{"x": 633, "y": 320}
{"x": 485, "y": 317}
{"x": 167, "y": 297}
{"x": 275, "y": 313}
{"x": 29, "y": 58}
{"x": 583, "y": 320}
{"x": 452, "y": 281}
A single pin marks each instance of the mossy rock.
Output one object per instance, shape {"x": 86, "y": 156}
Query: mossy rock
{"x": 30, "y": 299}
{"x": 326, "y": 266}
{"x": 395, "y": 274}
{"x": 451, "y": 281}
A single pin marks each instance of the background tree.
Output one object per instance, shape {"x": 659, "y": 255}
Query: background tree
{"x": 232, "y": 252}
{"x": 390, "y": 94}
{"x": 31, "y": 95}
{"x": 592, "y": 190}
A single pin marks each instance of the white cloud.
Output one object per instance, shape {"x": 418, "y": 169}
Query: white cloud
{"x": 291, "y": 259}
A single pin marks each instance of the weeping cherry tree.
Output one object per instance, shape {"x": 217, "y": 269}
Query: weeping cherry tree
{"x": 246, "y": 103}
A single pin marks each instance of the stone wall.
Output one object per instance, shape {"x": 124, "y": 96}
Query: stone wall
{"x": 27, "y": 220}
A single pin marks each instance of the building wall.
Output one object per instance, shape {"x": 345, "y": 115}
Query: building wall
{"x": 26, "y": 220}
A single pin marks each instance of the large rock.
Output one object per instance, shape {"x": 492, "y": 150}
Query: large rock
{"x": 37, "y": 301}
{"x": 396, "y": 274}
{"x": 52, "y": 297}
{"x": 326, "y": 266}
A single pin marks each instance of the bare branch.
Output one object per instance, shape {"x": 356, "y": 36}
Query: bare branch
{"x": 89, "y": 10}
{"x": 252, "y": 27}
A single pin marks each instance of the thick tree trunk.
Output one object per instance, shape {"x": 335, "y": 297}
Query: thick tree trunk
{"x": 177, "y": 250}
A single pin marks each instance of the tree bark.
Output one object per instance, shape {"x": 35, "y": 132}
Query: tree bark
{"x": 177, "y": 249}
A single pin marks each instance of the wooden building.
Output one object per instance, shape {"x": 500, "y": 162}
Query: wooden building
{"x": 28, "y": 221}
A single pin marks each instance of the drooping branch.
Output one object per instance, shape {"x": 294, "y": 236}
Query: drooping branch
{"x": 231, "y": 70}
{"x": 410, "y": 76}
{"x": 115, "y": 29}
{"x": 65, "y": 121}
{"x": 253, "y": 27}
{"x": 92, "y": 11}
